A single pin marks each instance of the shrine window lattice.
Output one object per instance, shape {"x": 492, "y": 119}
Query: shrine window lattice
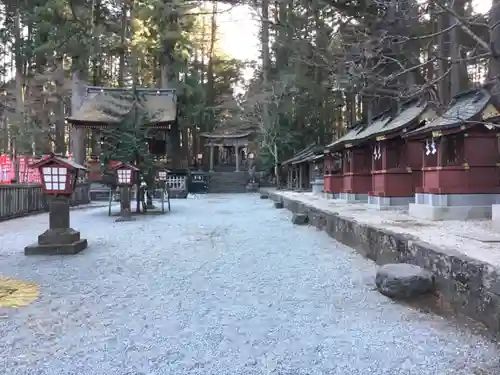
{"x": 452, "y": 147}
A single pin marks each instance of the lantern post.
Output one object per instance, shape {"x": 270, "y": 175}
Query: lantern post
{"x": 199, "y": 160}
{"x": 161, "y": 177}
{"x": 59, "y": 176}
{"x": 252, "y": 185}
{"x": 126, "y": 176}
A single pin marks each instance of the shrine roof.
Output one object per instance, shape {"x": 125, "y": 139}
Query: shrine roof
{"x": 463, "y": 108}
{"x": 110, "y": 105}
{"x": 348, "y": 137}
{"x": 374, "y": 128}
{"x": 307, "y": 154}
{"x": 227, "y": 135}
{"x": 69, "y": 163}
{"x": 360, "y": 132}
{"x": 409, "y": 113}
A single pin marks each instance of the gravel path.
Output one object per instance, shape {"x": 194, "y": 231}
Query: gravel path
{"x": 221, "y": 286}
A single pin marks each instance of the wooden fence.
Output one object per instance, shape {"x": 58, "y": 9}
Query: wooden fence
{"x": 22, "y": 200}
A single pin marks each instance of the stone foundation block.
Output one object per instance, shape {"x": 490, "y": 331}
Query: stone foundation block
{"x": 495, "y": 216}
{"x": 56, "y": 249}
{"x": 300, "y": 219}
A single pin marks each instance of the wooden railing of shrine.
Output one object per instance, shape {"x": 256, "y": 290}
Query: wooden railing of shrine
{"x": 22, "y": 200}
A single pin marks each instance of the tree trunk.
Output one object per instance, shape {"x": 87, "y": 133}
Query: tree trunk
{"x": 210, "y": 69}
{"x": 77, "y": 135}
{"x": 123, "y": 43}
{"x": 60, "y": 144}
{"x": 266, "y": 67}
{"x": 494, "y": 22}
{"x": 169, "y": 77}
{"x": 20, "y": 115}
{"x": 459, "y": 80}
{"x": 443, "y": 50}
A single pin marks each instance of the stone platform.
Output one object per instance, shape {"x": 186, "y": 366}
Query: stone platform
{"x": 463, "y": 255}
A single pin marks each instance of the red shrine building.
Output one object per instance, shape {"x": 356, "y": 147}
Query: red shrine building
{"x": 374, "y": 163}
{"x": 440, "y": 167}
{"x": 460, "y": 160}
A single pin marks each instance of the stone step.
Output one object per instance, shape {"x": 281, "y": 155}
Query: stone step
{"x": 227, "y": 182}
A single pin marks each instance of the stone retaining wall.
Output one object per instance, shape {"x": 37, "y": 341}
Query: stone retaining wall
{"x": 468, "y": 285}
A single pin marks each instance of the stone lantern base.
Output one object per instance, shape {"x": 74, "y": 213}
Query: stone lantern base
{"x": 57, "y": 242}
{"x": 59, "y": 238}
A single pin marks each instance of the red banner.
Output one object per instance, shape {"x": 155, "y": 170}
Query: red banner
{"x": 27, "y": 175}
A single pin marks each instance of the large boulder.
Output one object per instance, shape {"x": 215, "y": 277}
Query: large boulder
{"x": 402, "y": 281}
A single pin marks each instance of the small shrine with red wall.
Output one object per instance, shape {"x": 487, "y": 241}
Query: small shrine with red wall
{"x": 333, "y": 177}
{"x": 343, "y": 166}
{"x": 356, "y": 155}
{"x": 460, "y": 156}
{"x": 396, "y": 165}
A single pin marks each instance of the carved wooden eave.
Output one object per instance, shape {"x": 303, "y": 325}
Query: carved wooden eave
{"x": 104, "y": 107}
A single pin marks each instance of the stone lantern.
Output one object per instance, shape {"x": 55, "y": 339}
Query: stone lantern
{"x": 252, "y": 185}
{"x": 126, "y": 176}
{"x": 318, "y": 181}
{"x": 59, "y": 176}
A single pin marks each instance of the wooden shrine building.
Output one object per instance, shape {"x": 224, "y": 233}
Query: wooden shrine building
{"x": 339, "y": 164}
{"x": 373, "y": 163}
{"x": 300, "y": 168}
{"x": 228, "y": 151}
{"x": 354, "y": 181}
{"x": 104, "y": 108}
{"x": 397, "y": 163}
{"x": 460, "y": 156}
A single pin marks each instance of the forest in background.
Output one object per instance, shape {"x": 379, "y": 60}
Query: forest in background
{"x": 324, "y": 66}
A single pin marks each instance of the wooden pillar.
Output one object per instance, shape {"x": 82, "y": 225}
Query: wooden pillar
{"x": 385, "y": 155}
{"x": 211, "y": 158}
{"x": 237, "y": 154}
{"x": 301, "y": 173}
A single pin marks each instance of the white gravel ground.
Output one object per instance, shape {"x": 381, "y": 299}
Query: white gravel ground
{"x": 223, "y": 285}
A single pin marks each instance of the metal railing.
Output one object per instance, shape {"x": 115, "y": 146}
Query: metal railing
{"x": 22, "y": 200}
